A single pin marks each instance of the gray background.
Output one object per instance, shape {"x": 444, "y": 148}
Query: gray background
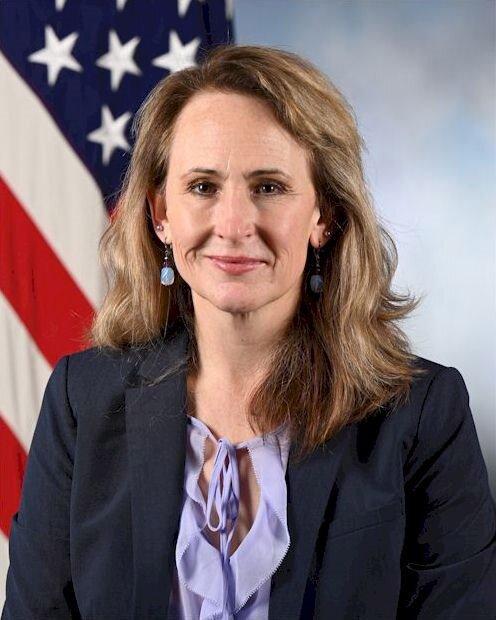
{"x": 421, "y": 78}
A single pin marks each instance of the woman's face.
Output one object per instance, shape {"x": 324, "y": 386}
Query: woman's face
{"x": 233, "y": 205}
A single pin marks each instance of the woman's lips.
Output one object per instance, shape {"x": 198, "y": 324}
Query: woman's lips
{"x": 235, "y": 267}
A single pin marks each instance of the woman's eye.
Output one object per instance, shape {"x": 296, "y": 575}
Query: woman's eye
{"x": 196, "y": 186}
{"x": 269, "y": 183}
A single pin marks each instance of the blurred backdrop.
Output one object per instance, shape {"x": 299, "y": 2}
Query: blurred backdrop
{"x": 420, "y": 76}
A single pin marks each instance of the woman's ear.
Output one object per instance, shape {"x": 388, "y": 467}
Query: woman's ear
{"x": 158, "y": 213}
{"x": 320, "y": 231}
{"x": 319, "y": 236}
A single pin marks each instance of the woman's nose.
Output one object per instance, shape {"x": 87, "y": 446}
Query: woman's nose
{"x": 234, "y": 214}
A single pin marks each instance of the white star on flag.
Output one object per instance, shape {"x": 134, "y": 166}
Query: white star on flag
{"x": 183, "y": 6}
{"x": 111, "y": 133}
{"x": 56, "y": 54}
{"x": 59, "y": 4}
{"x": 180, "y": 56}
{"x": 120, "y": 4}
{"x": 119, "y": 59}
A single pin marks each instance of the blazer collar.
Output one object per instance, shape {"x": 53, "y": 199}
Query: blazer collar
{"x": 156, "y": 438}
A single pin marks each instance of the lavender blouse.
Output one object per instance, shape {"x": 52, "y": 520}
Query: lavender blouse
{"x": 207, "y": 583}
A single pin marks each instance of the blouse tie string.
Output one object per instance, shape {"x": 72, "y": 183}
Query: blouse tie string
{"x": 226, "y": 500}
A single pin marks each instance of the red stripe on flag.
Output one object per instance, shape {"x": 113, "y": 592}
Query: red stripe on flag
{"x": 39, "y": 288}
{"x": 13, "y": 461}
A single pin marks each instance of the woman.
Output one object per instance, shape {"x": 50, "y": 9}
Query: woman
{"x": 250, "y": 435}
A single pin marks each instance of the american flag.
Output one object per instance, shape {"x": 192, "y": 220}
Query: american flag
{"x": 72, "y": 75}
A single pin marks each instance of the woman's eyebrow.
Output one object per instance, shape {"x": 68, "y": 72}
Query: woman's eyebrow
{"x": 246, "y": 175}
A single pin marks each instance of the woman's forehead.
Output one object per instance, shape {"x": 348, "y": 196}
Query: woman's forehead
{"x": 219, "y": 118}
{"x": 231, "y": 141}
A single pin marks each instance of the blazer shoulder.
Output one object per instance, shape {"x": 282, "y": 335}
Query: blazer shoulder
{"x": 436, "y": 384}
{"x": 106, "y": 361}
{"x": 430, "y": 366}
{"x": 97, "y": 376}
{"x": 432, "y": 371}
{"x": 440, "y": 398}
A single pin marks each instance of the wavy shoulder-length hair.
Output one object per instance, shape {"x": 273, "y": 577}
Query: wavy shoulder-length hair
{"x": 343, "y": 355}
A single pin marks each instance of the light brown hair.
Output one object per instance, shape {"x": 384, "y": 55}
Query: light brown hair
{"x": 344, "y": 355}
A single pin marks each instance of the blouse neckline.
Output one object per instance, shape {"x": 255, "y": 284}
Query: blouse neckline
{"x": 272, "y": 438}
{"x": 226, "y": 582}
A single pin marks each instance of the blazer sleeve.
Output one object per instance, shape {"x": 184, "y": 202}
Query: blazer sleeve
{"x": 449, "y": 555}
{"x": 39, "y": 584}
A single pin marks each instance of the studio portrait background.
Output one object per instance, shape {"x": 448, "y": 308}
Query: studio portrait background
{"x": 420, "y": 77}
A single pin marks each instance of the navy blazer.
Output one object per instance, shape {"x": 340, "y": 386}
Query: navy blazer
{"x": 393, "y": 518}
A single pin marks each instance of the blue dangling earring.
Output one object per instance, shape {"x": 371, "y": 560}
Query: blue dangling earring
{"x": 316, "y": 280}
{"x": 167, "y": 272}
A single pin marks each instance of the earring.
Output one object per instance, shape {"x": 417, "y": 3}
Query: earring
{"x": 316, "y": 280}
{"x": 167, "y": 272}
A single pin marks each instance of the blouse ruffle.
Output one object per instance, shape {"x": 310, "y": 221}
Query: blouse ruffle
{"x": 226, "y": 583}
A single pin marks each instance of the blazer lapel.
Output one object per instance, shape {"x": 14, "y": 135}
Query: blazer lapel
{"x": 309, "y": 487}
{"x": 156, "y": 434}
{"x": 156, "y": 437}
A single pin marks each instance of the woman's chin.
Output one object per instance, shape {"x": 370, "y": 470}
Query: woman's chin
{"x": 235, "y": 300}
{"x": 235, "y": 305}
